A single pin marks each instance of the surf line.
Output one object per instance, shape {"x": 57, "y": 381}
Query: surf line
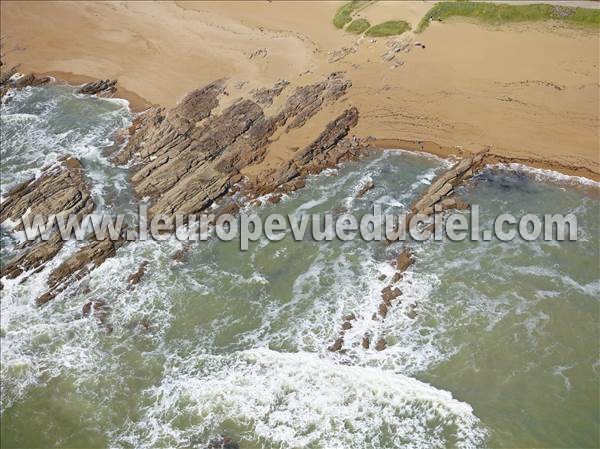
{"x": 439, "y": 197}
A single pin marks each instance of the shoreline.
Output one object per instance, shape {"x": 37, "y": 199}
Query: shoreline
{"x": 138, "y": 105}
{"x": 444, "y": 96}
{"x": 136, "y": 102}
{"x": 491, "y": 158}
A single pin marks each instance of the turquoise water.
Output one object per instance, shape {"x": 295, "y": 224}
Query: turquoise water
{"x": 503, "y": 351}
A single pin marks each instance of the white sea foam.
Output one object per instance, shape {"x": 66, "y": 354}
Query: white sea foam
{"x": 214, "y": 353}
{"x": 301, "y": 400}
{"x": 547, "y": 175}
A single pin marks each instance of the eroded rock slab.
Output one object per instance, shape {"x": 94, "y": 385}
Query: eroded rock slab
{"x": 188, "y": 157}
{"x": 100, "y": 87}
{"x": 442, "y": 188}
{"x": 61, "y": 191}
{"x": 183, "y": 160}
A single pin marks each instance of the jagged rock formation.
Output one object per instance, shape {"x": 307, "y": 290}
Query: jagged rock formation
{"x": 442, "y": 188}
{"x": 6, "y": 81}
{"x": 187, "y": 158}
{"x": 441, "y": 192}
{"x": 328, "y": 150}
{"x": 136, "y": 277}
{"x": 265, "y": 96}
{"x": 346, "y": 325}
{"x": 79, "y": 265}
{"x": 61, "y": 191}
{"x": 6, "y": 75}
{"x": 100, "y": 310}
{"x": 100, "y": 87}
{"x": 365, "y": 188}
{"x": 183, "y": 160}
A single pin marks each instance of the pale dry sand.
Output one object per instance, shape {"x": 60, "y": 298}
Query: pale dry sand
{"x": 528, "y": 92}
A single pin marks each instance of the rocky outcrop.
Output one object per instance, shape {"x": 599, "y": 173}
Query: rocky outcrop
{"x": 346, "y": 325}
{"x": 442, "y": 188}
{"x": 183, "y": 160}
{"x": 404, "y": 261}
{"x": 60, "y": 191}
{"x": 31, "y": 80}
{"x": 265, "y": 96}
{"x": 440, "y": 193}
{"x": 187, "y": 158}
{"x": 307, "y": 100}
{"x": 79, "y": 265}
{"x": 328, "y": 150}
{"x": 136, "y": 277}
{"x": 365, "y": 188}
{"x": 8, "y": 82}
{"x": 100, "y": 88}
{"x": 99, "y": 310}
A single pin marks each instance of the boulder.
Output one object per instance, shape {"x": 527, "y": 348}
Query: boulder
{"x": 365, "y": 188}
{"x": 404, "y": 260}
{"x": 366, "y": 342}
{"x": 136, "y": 277}
{"x": 389, "y": 293}
{"x": 100, "y": 87}
{"x": 337, "y": 345}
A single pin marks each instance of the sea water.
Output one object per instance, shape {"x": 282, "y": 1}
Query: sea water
{"x": 502, "y": 352}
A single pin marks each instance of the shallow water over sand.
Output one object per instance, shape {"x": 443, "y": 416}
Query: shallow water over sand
{"x": 502, "y": 352}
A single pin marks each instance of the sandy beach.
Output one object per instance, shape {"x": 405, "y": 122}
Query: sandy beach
{"x": 531, "y": 106}
{"x": 261, "y": 224}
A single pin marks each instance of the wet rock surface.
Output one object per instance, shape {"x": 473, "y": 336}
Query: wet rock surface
{"x": 183, "y": 160}
{"x": 8, "y": 82}
{"x": 100, "y": 310}
{"x": 369, "y": 185}
{"x": 79, "y": 265}
{"x": 136, "y": 277}
{"x": 443, "y": 187}
{"x": 223, "y": 442}
{"x": 187, "y": 158}
{"x": 61, "y": 190}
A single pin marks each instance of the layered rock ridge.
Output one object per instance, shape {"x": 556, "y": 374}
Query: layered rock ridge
{"x": 182, "y": 160}
{"x": 441, "y": 193}
{"x": 61, "y": 190}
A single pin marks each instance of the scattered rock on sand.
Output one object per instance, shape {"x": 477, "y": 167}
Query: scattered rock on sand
{"x": 259, "y": 53}
{"x": 265, "y": 96}
{"x": 100, "y": 87}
